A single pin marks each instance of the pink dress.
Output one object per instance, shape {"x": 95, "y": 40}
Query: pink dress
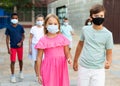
{"x": 54, "y": 70}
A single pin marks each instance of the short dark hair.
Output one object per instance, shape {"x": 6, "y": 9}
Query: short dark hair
{"x": 65, "y": 18}
{"x": 39, "y": 15}
{"x": 14, "y": 14}
{"x": 96, "y": 9}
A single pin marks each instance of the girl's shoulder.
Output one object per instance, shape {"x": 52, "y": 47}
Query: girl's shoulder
{"x": 59, "y": 36}
{"x": 36, "y": 28}
{"x": 33, "y": 27}
{"x": 46, "y": 42}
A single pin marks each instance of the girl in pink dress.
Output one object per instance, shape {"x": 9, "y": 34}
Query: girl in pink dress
{"x": 53, "y": 70}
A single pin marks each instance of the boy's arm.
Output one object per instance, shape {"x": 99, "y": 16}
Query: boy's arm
{"x": 77, "y": 54}
{"x": 20, "y": 43}
{"x": 23, "y": 37}
{"x": 7, "y": 43}
{"x": 72, "y": 31}
{"x": 108, "y": 58}
{"x": 109, "y": 46}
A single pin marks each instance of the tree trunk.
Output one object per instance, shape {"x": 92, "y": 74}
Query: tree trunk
{"x": 15, "y": 9}
{"x": 33, "y": 13}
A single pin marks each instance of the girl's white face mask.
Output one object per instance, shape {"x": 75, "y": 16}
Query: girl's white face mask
{"x": 14, "y": 21}
{"x": 52, "y": 28}
{"x": 40, "y": 23}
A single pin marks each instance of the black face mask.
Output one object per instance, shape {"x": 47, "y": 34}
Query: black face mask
{"x": 98, "y": 21}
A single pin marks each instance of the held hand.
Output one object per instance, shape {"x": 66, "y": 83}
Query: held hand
{"x": 40, "y": 79}
{"x": 70, "y": 61}
{"x": 19, "y": 44}
{"x": 107, "y": 65}
{"x": 75, "y": 66}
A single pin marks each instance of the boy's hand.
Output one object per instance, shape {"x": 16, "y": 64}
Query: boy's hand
{"x": 75, "y": 66}
{"x": 8, "y": 51}
{"x": 107, "y": 65}
{"x": 19, "y": 44}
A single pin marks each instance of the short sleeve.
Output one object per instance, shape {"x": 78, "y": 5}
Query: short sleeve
{"x": 65, "y": 41}
{"x": 22, "y": 29}
{"x": 109, "y": 42}
{"x": 31, "y": 30}
{"x": 45, "y": 42}
{"x": 7, "y": 32}
{"x": 82, "y": 35}
{"x": 40, "y": 44}
{"x": 71, "y": 29}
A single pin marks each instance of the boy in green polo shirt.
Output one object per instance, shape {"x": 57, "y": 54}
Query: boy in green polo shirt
{"x": 67, "y": 31}
{"x": 95, "y": 50}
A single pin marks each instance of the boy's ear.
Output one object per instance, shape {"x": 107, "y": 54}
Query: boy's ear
{"x": 90, "y": 18}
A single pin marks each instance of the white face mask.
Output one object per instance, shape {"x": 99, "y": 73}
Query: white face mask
{"x": 14, "y": 21}
{"x": 40, "y": 23}
{"x": 66, "y": 23}
{"x": 52, "y": 28}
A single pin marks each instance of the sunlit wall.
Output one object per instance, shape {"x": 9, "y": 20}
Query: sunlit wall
{"x": 77, "y": 11}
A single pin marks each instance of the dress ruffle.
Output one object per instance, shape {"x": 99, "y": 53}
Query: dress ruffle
{"x": 46, "y": 42}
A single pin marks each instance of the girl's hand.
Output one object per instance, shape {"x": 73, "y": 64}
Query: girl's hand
{"x": 70, "y": 61}
{"x": 40, "y": 79}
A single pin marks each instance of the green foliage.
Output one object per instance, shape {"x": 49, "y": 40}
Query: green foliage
{"x": 20, "y": 4}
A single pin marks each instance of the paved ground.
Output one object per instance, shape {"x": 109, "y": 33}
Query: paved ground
{"x": 112, "y": 75}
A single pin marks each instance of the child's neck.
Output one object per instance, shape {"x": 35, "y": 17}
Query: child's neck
{"x": 51, "y": 35}
{"x": 98, "y": 27}
{"x": 14, "y": 25}
{"x": 39, "y": 26}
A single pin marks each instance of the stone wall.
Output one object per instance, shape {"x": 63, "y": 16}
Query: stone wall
{"x": 77, "y": 10}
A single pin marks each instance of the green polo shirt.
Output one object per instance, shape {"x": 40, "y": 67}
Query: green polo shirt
{"x": 96, "y": 42}
{"x": 66, "y": 31}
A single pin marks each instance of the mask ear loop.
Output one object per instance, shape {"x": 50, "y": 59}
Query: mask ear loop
{"x": 89, "y": 20}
